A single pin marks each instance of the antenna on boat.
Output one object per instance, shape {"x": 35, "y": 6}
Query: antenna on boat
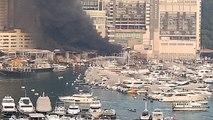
{"x": 23, "y": 87}
{"x": 145, "y": 105}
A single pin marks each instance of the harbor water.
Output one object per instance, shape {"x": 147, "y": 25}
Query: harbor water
{"x": 56, "y": 84}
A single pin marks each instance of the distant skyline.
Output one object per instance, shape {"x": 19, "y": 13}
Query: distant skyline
{"x": 163, "y": 28}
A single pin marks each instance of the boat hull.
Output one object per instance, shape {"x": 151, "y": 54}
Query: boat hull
{"x": 42, "y": 69}
{"x": 15, "y": 74}
{"x": 190, "y": 109}
{"x": 8, "y": 113}
{"x": 78, "y": 101}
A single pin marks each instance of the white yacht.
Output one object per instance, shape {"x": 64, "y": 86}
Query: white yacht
{"x": 52, "y": 117}
{"x": 202, "y": 72}
{"x": 203, "y": 91}
{"x": 73, "y": 109}
{"x": 8, "y": 105}
{"x": 132, "y": 83}
{"x": 190, "y": 106}
{"x": 95, "y": 108}
{"x": 41, "y": 66}
{"x": 81, "y": 98}
{"x": 157, "y": 114}
{"x": 59, "y": 68}
{"x": 145, "y": 114}
{"x": 184, "y": 96}
{"x": 25, "y": 105}
{"x": 208, "y": 79}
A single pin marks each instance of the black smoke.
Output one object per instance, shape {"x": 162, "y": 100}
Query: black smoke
{"x": 60, "y": 24}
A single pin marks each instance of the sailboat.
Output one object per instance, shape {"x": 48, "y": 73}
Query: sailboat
{"x": 145, "y": 114}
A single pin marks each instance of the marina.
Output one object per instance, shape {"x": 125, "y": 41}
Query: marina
{"x": 115, "y": 101}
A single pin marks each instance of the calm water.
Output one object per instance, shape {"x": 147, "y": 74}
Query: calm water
{"x": 54, "y": 87}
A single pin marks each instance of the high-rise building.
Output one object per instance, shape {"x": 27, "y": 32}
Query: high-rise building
{"x": 3, "y": 14}
{"x": 6, "y": 14}
{"x": 15, "y": 40}
{"x": 94, "y": 8}
{"x": 166, "y": 29}
{"x": 92, "y": 4}
{"x": 128, "y": 20}
{"x": 178, "y": 28}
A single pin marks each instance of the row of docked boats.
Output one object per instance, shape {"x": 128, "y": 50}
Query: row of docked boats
{"x": 61, "y": 111}
{"x": 81, "y": 98}
{"x": 24, "y": 67}
{"x": 157, "y": 114}
{"x": 25, "y": 105}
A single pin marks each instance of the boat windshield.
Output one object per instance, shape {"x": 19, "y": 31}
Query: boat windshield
{"x": 180, "y": 95}
{"x": 26, "y": 101}
{"x": 145, "y": 113}
{"x": 8, "y": 101}
{"x": 96, "y": 102}
{"x": 95, "y": 108}
{"x": 73, "y": 108}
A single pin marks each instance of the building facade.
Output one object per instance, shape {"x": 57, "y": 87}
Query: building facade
{"x": 6, "y": 14}
{"x": 15, "y": 40}
{"x": 94, "y": 9}
{"x": 179, "y": 29}
{"x": 164, "y": 29}
{"x": 3, "y": 14}
{"x": 127, "y": 21}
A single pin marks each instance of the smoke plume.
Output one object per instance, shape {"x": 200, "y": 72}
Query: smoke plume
{"x": 60, "y": 24}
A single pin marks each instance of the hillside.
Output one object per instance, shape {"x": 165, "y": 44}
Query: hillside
{"x": 207, "y": 24}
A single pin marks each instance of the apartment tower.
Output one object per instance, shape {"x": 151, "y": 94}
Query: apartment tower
{"x": 177, "y": 30}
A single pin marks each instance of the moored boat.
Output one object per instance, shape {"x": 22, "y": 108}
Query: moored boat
{"x": 95, "y": 108}
{"x": 157, "y": 114}
{"x": 190, "y": 106}
{"x": 109, "y": 114}
{"x": 43, "y": 104}
{"x": 40, "y": 65}
{"x": 8, "y": 106}
{"x": 145, "y": 114}
{"x": 81, "y": 98}
{"x": 59, "y": 68}
{"x": 25, "y": 105}
{"x": 73, "y": 109}
{"x": 17, "y": 67}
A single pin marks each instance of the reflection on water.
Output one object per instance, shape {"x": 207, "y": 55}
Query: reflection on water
{"x": 54, "y": 87}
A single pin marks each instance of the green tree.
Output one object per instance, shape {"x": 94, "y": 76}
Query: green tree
{"x": 207, "y": 24}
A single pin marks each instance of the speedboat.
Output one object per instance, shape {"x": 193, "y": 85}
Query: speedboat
{"x": 132, "y": 110}
{"x": 82, "y": 98}
{"x": 157, "y": 114}
{"x": 73, "y": 109}
{"x": 8, "y": 106}
{"x": 190, "y": 106}
{"x": 182, "y": 96}
{"x": 25, "y": 105}
{"x": 95, "y": 108}
{"x": 108, "y": 114}
{"x": 145, "y": 114}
